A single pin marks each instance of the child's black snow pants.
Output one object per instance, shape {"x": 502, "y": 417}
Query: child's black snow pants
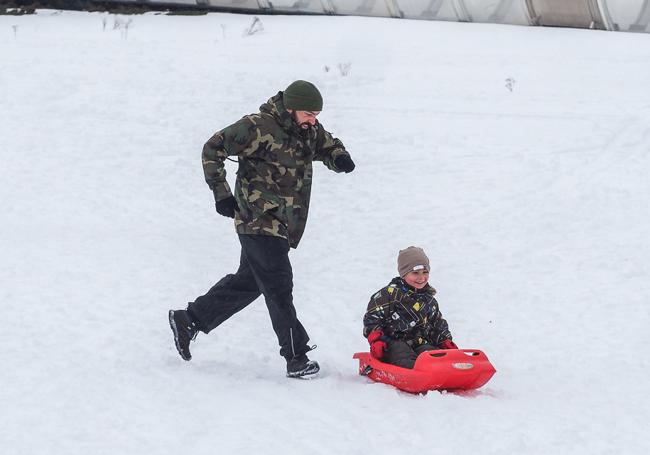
{"x": 401, "y": 354}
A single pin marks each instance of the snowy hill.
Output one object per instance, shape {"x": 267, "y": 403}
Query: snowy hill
{"x": 516, "y": 157}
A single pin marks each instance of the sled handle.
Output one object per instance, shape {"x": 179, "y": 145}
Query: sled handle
{"x": 442, "y": 353}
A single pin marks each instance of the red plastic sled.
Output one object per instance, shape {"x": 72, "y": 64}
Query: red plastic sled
{"x": 443, "y": 369}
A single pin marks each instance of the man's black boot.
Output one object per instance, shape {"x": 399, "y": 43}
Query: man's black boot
{"x": 301, "y": 367}
{"x": 184, "y": 329}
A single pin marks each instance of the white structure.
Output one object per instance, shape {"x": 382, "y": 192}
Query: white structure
{"x": 624, "y": 15}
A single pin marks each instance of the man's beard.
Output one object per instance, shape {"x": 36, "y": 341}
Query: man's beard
{"x": 303, "y": 126}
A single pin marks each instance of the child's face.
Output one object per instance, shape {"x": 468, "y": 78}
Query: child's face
{"x": 418, "y": 278}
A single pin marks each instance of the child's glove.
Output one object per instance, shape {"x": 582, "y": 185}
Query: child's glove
{"x": 377, "y": 343}
{"x": 448, "y": 344}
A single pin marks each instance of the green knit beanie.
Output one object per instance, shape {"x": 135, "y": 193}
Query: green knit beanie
{"x": 302, "y": 96}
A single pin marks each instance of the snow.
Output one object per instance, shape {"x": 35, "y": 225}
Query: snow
{"x": 531, "y": 203}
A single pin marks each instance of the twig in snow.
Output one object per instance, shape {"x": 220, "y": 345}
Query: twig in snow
{"x": 255, "y": 27}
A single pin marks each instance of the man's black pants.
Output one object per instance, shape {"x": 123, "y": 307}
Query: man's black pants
{"x": 264, "y": 268}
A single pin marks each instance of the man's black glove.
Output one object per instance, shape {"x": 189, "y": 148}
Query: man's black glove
{"x": 227, "y": 207}
{"x": 344, "y": 163}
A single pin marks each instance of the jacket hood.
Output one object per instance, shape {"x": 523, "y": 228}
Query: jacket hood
{"x": 275, "y": 107}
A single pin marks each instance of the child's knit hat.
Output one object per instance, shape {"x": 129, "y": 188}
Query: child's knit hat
{"x": 411, "y": 259}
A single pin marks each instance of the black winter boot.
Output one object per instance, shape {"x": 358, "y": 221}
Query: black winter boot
{"x": 184, "y": 329}
{"x": 301, "y": 367}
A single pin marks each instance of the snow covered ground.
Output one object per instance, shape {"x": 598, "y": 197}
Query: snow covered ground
{"x": 517, "y": 157}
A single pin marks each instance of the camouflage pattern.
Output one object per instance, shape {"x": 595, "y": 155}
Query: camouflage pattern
{"x": 273, "y": 184}
{"x": 407, "y": 314}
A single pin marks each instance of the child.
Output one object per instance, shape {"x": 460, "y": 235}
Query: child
{"x": 403, "y": 319}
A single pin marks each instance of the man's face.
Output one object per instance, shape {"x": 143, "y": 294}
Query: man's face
{"x": 418, "y": 278}
{"x": 305, "y": 119}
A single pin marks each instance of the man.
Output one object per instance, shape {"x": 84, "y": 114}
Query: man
{"x": 275, "y": 149}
